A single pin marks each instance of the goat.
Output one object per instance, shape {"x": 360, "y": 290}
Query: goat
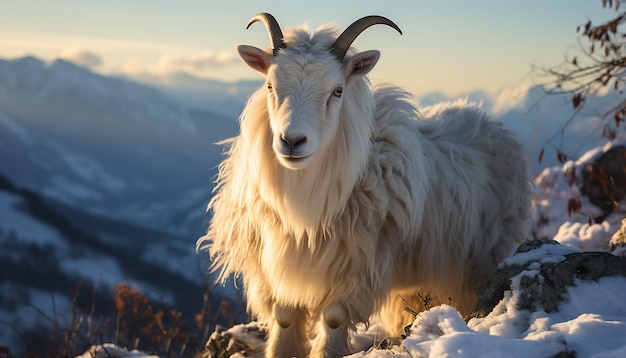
{"x": 337, "y": 197}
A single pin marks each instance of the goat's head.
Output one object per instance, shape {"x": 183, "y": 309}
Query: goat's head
{"x": 305, "y": 86}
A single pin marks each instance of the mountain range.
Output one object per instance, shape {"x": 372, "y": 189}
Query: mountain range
{"x": 107, "y": 145}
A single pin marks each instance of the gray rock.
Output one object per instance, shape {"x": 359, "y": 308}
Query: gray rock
{"x": 604, "y": 180}
{"x": 546, "y": 289}
{"x": 246, "y": 339}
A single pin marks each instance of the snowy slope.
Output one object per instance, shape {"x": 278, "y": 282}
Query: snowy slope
{"x": 227, "y": 98}
{"x": 91, "y": 247}
{"x": 45, "y": 259}
{"x": 539, "y": 118}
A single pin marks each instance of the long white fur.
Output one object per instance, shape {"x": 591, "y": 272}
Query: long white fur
{"x": 394, "y": 203}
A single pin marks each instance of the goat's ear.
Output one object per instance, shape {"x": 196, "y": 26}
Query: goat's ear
{"x": 360, "y": 64}
{"x": 256, "y": 58}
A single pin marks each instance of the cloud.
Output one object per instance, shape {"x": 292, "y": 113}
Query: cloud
{"x": 82, "y": 57}
{"x": 203, "y": 61}
{"x": 196, "y": 63}
{"x": 202, "y": 64}
{"x": 507, "y": 98}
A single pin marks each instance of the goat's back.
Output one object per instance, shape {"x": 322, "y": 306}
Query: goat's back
{"x": 475, "y": 204}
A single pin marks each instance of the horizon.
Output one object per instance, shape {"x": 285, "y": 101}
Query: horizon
{"x": 504, "y": 41}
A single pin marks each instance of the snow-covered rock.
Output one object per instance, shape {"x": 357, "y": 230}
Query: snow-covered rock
{"x": 109, "y": 350}
{"x": 567, "y": 307}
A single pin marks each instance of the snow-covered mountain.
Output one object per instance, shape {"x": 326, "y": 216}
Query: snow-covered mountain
{"x": 52, "y": 266}
{"x": 102, "y": 180}
{"x": 538, "y": 119}
{"x": 227, "y": 98}
{"x": 109, "y": 146}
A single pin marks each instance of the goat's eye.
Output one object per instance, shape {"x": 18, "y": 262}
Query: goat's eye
{"x": 269, "y": 87}
{"x": 338, "y": 92}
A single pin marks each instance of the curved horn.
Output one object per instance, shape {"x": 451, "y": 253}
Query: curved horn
{"x": 276, "y": 35}
{"x": 343, "y": 42}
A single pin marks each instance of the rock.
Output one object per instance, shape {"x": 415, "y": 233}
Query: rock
{"x": 617, "y": 244}
{"x": 530, "y": 245}
{"x": 604, "y": 180}
{"x": 109, "y": 350}
{"x": 246, "y": 340}
{"x": 543, "y": 270}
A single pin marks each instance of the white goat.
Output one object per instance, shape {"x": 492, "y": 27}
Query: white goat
{"x": 337, "y": 198}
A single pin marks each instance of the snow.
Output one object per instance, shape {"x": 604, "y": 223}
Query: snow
{"x": 547, "y": 253}
{"x": 110, "y": 350}
{"x": 90, "y": 171}
{"x": 26, "y": 228}
{"x": 553, "y": 190}
{"x": 96, "y": 267}
{"x": 15, "y": 128}
{"x": 441, "y": 332}
{"x": 588, "y": 237}
{"x": 509, "y": 332}
{"x": 253, "y": 342}
{"x": 28, "y": 313}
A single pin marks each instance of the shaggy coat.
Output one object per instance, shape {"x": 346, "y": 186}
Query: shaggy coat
{"x": 393, "y": 204}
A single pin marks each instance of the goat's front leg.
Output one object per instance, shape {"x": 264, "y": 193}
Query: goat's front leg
{"x": 287, "y": 333}
{"x": 332, "y": 338}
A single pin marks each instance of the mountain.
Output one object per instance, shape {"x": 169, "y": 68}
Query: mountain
{"x": 108, "y": 146}
{"x": 52, "y": 267}
{"x": 545, "y": 121}
{"x": 37, "y": 238}
{"x": 227, "y": 98}
{"x": 102, "y": 180}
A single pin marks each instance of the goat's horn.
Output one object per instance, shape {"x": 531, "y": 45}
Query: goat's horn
{"x": 276, "y": 35}
{"x": 343, "y": 42}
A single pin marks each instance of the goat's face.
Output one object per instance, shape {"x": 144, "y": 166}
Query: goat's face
{"x": 305, "y": 92}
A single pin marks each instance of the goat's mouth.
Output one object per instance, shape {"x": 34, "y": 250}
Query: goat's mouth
{"x": 293, "y": 161}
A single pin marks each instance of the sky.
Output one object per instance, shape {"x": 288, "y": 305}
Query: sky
{"x": 452, "y": 47}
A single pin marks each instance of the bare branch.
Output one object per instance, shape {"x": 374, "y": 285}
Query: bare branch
{"x": 600, "y": 67}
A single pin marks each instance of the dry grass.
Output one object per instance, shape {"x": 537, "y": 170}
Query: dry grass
{"x": 136, "y": 322}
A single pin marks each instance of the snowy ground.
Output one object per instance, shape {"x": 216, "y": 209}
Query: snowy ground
{"x": 591, "y": 323}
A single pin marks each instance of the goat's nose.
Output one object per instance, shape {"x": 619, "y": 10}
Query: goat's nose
{"x": 293, "y": 142}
